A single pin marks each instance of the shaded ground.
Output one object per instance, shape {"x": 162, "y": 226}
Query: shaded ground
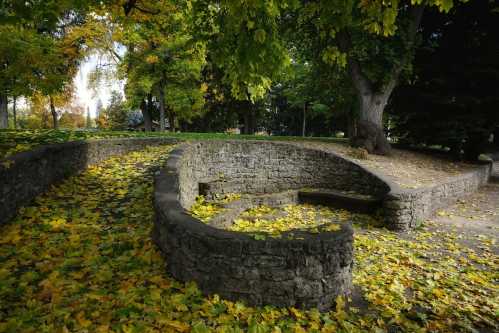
{"x": 80, "y": 259}
{"x": 406, "y": 168}
{"x": 474, "y": 219}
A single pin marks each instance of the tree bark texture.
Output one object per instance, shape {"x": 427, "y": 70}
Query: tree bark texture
{"x": 162, "y": 117}
{"x": 14, "y": 111}
{"x": 4, "y": 112}
{"x": 171, "y": 120}
{"x": 55, "y": 122}
{"x": 304, "y": 121}
{"x": 369, "y": 132}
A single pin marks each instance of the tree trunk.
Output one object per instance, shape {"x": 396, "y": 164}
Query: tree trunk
{"x": 370, "y": 133}
{"x": 249, "y": 118}
{"x": 4, "y": 112}
{"x": 14, "y": 111}
{"x": 88, "y": 120}
{"x": 171, "y": 120}
{"x": 146, "y": 113}
{"x": 162, "y": 108}
{"x": 351, "y": 124}
{"x": 55, "y": 121}
{"x": 304, "y": 121}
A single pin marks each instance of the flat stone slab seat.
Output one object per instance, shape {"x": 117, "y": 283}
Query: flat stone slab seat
{"x": 301, "y": 269}
{"x": 326, "y": 197}
{"x": 350, "y": 201}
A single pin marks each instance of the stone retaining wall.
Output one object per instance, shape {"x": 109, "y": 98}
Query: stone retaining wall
{"x": 407, "y": 208}
{"x": 268, "y": 167}
{"x": 276, "y": 167}
{"x": 31, "y": 173}
{"x": 299, "y": 269}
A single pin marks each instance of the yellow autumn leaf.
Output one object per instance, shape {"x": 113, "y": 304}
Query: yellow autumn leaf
{"x": 178, "y": 325}
{"x": 82, "y": 321}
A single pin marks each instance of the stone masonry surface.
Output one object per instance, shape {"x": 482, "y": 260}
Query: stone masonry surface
{"x": 299, "y": 269}
{"x": 311, "y": 269}
{"x": 31, "y": 173}
{"x": 302, "y": 269}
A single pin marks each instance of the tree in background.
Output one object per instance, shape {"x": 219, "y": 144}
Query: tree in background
{"x": 37, "y": 51}
{"x": 116, "y": 114}
{"x": 373, "y": 40}
{"x": 161, "y": 62}
{"x": 88, "y": 120}
{"x": 73, "y": 117}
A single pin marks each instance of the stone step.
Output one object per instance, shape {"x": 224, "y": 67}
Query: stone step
{"x": 336, "y": 199}
{"x": 494, "y": 178}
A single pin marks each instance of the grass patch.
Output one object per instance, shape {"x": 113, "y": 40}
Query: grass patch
{"x": 15, "y": 141}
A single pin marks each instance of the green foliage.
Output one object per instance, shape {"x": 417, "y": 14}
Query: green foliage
{"x": 163, "y": 59}
{"x": 243, "y": 39}
{"x": 116, "y": 115}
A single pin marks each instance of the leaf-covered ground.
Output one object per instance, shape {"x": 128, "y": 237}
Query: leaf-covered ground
{"x": 80, "y": 259}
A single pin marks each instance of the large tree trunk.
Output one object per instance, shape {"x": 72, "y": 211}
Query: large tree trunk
{"x": 304, "y": 121}
{"x": 4, "y": 112}
{"x": 55, "y": 122}
{"x": 370, "y": 134}
{"x": 14, "y": 111}
{"x": 249, "y": 118}
{"x": 162, "y": 108}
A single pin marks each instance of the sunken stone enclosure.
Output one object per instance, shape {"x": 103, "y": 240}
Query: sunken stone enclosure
{"x": 299, "y": 269}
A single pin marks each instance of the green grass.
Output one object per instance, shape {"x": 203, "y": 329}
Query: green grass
{"x": 12, "y": 141}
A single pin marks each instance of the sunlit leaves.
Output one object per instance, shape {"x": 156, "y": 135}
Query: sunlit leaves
{"x": 80, "y": 259}
{"x": 290, "y": 217}
{"x": 204, "y": 210}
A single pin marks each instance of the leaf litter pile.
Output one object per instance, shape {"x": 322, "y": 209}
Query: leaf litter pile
{"x": 80, "y": 259}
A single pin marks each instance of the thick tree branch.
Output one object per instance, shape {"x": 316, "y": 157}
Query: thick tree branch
{"x": 132, "y": 4}
{"x": 412, "y": 30}
{"x": 115, "y": 54}
{"x": 361, "y": 82}
{"x": 147, "y": 10}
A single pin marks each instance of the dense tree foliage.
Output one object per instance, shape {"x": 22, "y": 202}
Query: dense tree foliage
{"x": 284, "y": 67}
{"x": 116, "y": 115}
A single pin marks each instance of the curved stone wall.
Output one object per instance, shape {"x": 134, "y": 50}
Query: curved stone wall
{"x": 405, "y": 209}
{"x": 299, "y": 269}
{"x": 30, "y": 173}
{"x": 266, "y": 167}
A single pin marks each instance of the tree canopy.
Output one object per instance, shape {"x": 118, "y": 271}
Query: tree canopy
{"x": 282, "y": 66}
